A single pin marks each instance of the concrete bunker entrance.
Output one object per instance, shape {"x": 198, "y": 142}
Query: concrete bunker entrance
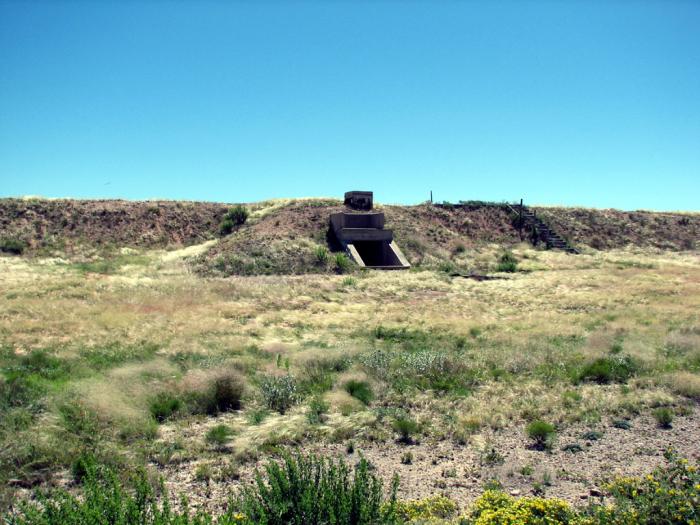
{"x": 377, "y": 253}
{"x": 360, "y": 232}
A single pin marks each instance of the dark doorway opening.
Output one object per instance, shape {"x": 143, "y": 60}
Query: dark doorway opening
{"x": 376, "y": 253}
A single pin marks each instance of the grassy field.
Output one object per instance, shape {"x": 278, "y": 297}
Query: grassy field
{"x": 547, "y": 380}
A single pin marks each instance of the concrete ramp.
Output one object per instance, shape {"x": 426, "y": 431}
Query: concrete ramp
{"x": 363, "y": 237}
{"x": 378, "y": 255}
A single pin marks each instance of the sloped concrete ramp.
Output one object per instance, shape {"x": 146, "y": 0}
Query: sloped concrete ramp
{"x": 363, "y": 237}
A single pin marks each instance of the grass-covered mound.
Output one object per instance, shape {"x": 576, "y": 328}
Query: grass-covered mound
{"x": 286, "y": 238}
{"x": 607, "y": 229}
{"x": 68, "y": 225}
{"x": 278, "y": 239}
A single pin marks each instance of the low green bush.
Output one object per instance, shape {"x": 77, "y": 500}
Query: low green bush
{"x": 219, "y": 435}
{"x": 12, "y": 246}
{"x": 342, "y": 263}
{"x": 406, "y": 428}
{"x": 279, "y": 392}
{"x": 233, "y": 218}
{"x": 622, "y": 424}
{"x": 360, "y": 390}
{"x": 574, "y": 448}
{"x": 663, "y": 417}
{"x": 318, "y": 408}
{"x": 41, "y": 363}
{"x": 507, "y": 263}
{"x": 302, "y": 490}
{"x": 81, "y": 467}
{"x": 616, "y": 368}
{"x": 107, "y": 500}
{"x": 592, "y": 435}
{"x": 322, "y": 256}
{"x": 447, "y": 267}
{"x": 164, "y": 405}
{"x": 318, "y": 372}
{"x": 541, "y": 433}
{"x": 428, "y": 369}
{"x": 349, "y": 281}
{"x": 257, "y": 416}
{"x": 459, "y": 248}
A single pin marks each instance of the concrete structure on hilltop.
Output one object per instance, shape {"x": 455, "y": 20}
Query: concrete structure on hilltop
{"x": 363, "y": 237}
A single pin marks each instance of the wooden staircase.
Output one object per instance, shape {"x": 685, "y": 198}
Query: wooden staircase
{"x": 541, "y": 232}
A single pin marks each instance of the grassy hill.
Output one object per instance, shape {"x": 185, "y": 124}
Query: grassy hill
{"x": 281, "y": 237}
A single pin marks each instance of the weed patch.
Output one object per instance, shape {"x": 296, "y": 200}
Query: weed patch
{"x": 616, "y": 368}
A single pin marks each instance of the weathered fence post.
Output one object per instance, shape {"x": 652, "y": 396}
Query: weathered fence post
{"x": 520, "y": 222}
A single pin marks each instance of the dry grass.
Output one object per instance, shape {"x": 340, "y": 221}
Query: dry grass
{"x": 684, "y": 384}
{"x": 524, "y": 334}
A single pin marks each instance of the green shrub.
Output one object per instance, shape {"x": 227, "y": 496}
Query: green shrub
{"x": 541, "y": 433}
{"x": 219, "y": 435}
{"x": 107, "y": 500}
{"x": 592, "y": 435}
{"x": 80, "y": 423}
{"x": 318, "y": 408}
{"x": 622, "y": 424}
{"x": 616, "y": 368}
{"x": 574, "y": 448}
{"x": 301, "y": 490}
{"x": 12, "y": 246}
{"x": 406, "y": 428}
{"x": 507, "y": 263}
{"x": 203, "y": 473}
{"x": 319, "y": 370}
{"x": 491, "y": 456}
{"x": 20, "y": 390}
{"x": 43, "y": 364}
{"x": 279, "y": 392}
{"x": 458, "y": 248}
{"x": 360, "y": 390}
{"x": 322, "y": 257}
{"x": 342, "y": 263}
{"x": 233, "y": 218}
{"x": 82, "y": 466}
{"x": 428, "y": 369}
{"x": 447, "y": 267}
{"x": 664, "y": 417}
{"x": 164, "y": 406}
{"x": 226, "y": 227}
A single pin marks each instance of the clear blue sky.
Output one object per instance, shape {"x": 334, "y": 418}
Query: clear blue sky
{"x": 592, "y": 103}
